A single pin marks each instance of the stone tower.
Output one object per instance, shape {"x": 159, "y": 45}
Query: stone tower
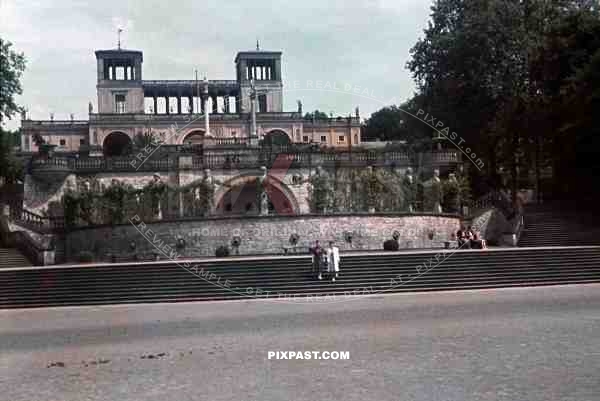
{"x": 264, "y": 67}
{"x": 119, "y": 84}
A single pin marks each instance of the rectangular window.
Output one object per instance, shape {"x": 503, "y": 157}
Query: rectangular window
{"x": 341, "y": 139}
{"x": 262, "y": 103}
{"x": 82, "y": 141}
{"x": 323, "y": 138}
{"x": 63, "y": 142}
{"x": 305, "y": 138}
{"x": 119, "y": 104}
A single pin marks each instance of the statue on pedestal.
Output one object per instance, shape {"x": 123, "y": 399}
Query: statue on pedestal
{"x": 409, "y": 189}
{"x": 90, "y": 108}
{"x": 299, "y": 107}
{"x": 432, "y": 193}
{"x": 321, "y": 191}
{"x": 264, "y": 204}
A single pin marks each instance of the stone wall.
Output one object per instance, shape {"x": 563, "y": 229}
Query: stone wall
{"x": 258, "y": 235}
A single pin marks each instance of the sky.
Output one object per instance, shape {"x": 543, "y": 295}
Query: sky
{"x": 356, "y": 49}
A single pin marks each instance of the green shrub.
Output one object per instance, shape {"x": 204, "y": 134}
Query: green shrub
{"x": 391, "y": 245}
{"x": 85, "y": 257}
{"x": 222, "y": 251}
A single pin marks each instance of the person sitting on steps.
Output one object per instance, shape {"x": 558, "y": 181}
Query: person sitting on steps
{"x": 461, "y": 237}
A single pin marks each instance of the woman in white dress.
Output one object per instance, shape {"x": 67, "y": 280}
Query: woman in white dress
{"x": 333, "y": 260}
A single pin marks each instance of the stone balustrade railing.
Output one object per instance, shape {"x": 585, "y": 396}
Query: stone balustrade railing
{"x": 245, "y": 158}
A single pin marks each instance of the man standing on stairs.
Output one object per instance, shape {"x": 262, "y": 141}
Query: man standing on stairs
{"x": 317, "y": 253}
{"x": 333, "y": 260}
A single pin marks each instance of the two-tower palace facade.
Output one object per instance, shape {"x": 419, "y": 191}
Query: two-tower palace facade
{"x": 188, "y": 111}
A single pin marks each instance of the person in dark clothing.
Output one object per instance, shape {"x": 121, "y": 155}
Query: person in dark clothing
{"x": 461, "y": 237}
{"x": 470, "y": 234}
{"x": 317, "y": 252}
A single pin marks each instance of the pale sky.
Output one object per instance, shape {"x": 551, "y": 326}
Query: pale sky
{"x": 362, "y": 44}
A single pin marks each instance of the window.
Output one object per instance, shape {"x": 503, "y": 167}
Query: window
{"x": 262, "y": 103}
{"x": 233, "y": 134}
{"x": 355, "y": 138}
{"x": 119, "y": 104}
{"x": 82, "y": 141}
{"x": 305, "y": 138}
{"x": 323, "y": 138}
{"x": 63, "y": 142}
{"x": 341, "y": 138}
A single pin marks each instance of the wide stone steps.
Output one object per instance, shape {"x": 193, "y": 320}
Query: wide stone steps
{"x": 559, "y": 224}
{"x": 286, "y": 277}
{"x": 10, "y": 257}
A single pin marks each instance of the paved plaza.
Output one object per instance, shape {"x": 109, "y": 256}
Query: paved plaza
{"x": 513, "y": 344}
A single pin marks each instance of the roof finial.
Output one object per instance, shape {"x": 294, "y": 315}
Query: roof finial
{"x": 257, "y": 46}
{"x": 119, "y": 38}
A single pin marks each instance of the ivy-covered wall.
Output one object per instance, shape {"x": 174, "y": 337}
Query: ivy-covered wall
{"x": 114, "y": 198}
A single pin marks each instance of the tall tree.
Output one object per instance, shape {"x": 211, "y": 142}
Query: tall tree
{"x": 12, "y": 65}
{"x": 396, "y": 123}
{"x": 475, "y": 69}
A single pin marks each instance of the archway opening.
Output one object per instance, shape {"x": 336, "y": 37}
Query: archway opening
{"x": 276, "y": 138}
{"x": 243, "y": 199}
{"x": 117, "y": 144}
{"x": 194, "y": 138}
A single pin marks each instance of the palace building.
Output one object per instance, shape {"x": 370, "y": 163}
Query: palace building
{"x": 199, "y": 111}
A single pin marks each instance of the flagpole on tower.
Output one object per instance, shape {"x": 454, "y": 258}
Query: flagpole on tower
{"x": 119, "y": 38}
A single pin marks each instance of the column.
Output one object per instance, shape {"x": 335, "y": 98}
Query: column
{"x": 205, "y": 98}
{"x": 137, "y": 73}
{"x": 277, "y": 72}
{"x": 226, "y": 100}
{"x": 238, "y": 103}
{"x": 190, "y": 104}
{"x": 167, "y": 104}
{"x": 214, "y": 104}
{"x": 253, "y": 132}
{"x": 206, "y": 120}
{"x": 178, "y": 104}
{"x": 155, "y": 105}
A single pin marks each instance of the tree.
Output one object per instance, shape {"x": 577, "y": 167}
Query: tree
{"x": 398, "y": 123}
{"x": 566, "y": 69}
{"x": 316, "y": 115}
{"x": 476, "y": 71}
{"x": 12, "y": 65}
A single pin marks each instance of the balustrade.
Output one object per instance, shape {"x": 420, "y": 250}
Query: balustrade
{"x": 243, "y": 158}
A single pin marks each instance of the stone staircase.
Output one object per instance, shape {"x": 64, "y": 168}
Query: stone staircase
{"x": 11, "y": 257}
{"x": 287, "y": 277}
{"x": 559, "y": 224}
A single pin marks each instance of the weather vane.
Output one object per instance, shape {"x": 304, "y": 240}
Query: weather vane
{"x": 119, "y": 38}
